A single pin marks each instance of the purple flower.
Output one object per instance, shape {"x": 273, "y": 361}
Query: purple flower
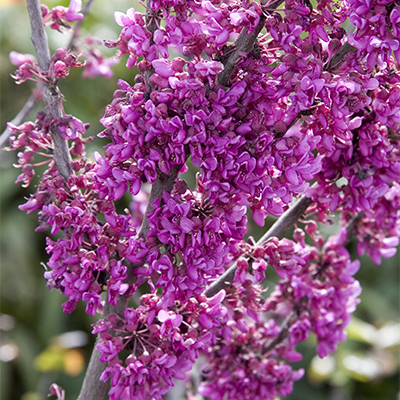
{"x": 284, "y": 117}
{"x": 149, "y": 169}
{"x": 19, "y": 59}
{"x": 163, "y": 68}
{"x": 93, "y": 301}
{"x": 72, "y": 13}
{"x": 110, "y": 349}
{"x": 96, "y": 65}
{"x": 395, "y": 20}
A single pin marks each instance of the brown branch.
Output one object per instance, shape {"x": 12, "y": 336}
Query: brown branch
{"x": 163, "y": 182}
{"x": 92, "y": 388}
{"x": 285, "y": 221}
{"x": 151, "y": 23}
{"x": 51, "y": 96}
{"x": 244, "y": 43}
{"x": 339, "y": 57}
{"x": 283, "y": 331}
{"x": 38, "y": 35}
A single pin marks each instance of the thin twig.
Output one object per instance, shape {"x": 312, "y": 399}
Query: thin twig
{"x": 77, "y": 27}
{"x": 62, "y": 157}
{"x": 151, "y": 25}
{"x": 283, "y": 331}
{"x": 19, "y": 118}
{"x": 352, "y": 224}
{"x": 243, "y": 44}
{"x": 33, "y": 100}
{"x": 285, "y": 221}
{"x": 163, "y": 182}
{"x": 339, "y": 57}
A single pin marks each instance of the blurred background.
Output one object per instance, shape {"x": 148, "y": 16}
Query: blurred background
{"x": 39, "y": 344}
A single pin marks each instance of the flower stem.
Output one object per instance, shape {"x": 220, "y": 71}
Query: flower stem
{"x": 62, "y": 157}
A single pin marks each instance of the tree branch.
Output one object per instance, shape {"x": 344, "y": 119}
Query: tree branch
{"x": 62, "y": 157}
{"x": 244, "y": 43}
{"x": 285, "y": 221}
{"x": 283, "y": 331}
{"x": 38, "y": 35}
{"x": 33, "y": 100}
{"x": 339, "y": 57}
{"x": 352, "y": 224}
{"x": 163, "y": 182}
{"x": 92, "y": 388}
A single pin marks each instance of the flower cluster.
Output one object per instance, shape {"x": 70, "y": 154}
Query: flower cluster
{"x": 60, "y": 16}
{"x": 247, "y": 360}
{"x": 237, "y": 156}
{"x": 379, "y": 229}
{"x": 81, "y": 263}
{"x": 35, "y": 140}
{"x": 60, "y": 64}
{"x": 162, "y": 345}
{"x": 317, "y": 293}
{"x": 236, "y": 371}
{"x": 196, "y": 238}
{"x": 183, "y": 31}
{"x": 321, "y": 285}
{"x": 304, "y": 102}
{"x": 378, "y": 33}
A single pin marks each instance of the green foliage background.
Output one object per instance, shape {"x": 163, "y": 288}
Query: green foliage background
{"x": 32, "y": 325}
